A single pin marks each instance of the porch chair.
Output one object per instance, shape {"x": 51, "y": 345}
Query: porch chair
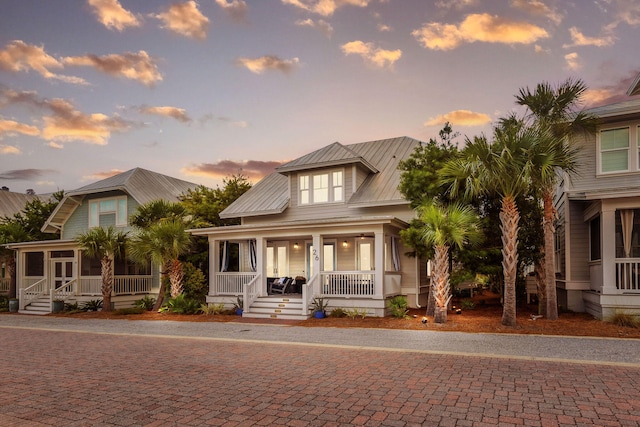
{"x": 281, "y": 285}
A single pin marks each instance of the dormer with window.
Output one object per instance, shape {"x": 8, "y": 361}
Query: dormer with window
{"x": 321, "y": 187}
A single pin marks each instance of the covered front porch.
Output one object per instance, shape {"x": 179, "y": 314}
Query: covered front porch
{"x": 59, "y": 271}
{"x": 350, "y": 264}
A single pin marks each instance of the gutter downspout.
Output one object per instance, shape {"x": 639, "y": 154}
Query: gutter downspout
{"x": 418, "y": 283}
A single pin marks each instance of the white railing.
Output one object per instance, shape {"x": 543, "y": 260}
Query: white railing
{"x": 4, "y": 285}
{"x": 130, "y": 285}
{"x": 30, "y": 281}
{"x": 348, "y": 283}
{"x": 232, "y": 283}
{"x": 90, "y": 285}
{"x": 308, "y": 292}
{"x": 65, "y": 291}
{"x": 628, "y": 275}
{"x": 250, "y": 293}
{"x": 33, "y": 292}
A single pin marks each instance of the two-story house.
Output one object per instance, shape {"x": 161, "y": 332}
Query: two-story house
{"x": 330, "y": 218}
{"x": 58, "y": 270}
{"x": 598, "y": 232}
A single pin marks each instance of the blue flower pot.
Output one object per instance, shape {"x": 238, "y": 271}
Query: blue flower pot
{"x": 239, "y": 311}
{"x": 319, "y": 314}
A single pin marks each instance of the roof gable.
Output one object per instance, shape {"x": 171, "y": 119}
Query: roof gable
{"x": 634, "y": 89}
{"x": 332, "y": 155}
{"x": 11, "y": 203}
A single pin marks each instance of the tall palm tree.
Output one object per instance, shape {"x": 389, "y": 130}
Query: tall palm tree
{"x": 163, "y": 242}
{"x": 11, "y": 232}
{"x": 106, "y": 244}
{"x": 156, "y": 210}
{"x": 555, "y": 109}
{"x": 500, "y": 168}
{"x": 444, "y": 227}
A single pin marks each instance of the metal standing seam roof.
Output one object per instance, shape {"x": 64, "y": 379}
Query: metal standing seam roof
{"x": 380, "y": 157}
{"x": 142, "y": 185}
{"x": 11, "y": 203}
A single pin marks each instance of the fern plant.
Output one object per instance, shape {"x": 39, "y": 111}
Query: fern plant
{"x": 398, "y": 306}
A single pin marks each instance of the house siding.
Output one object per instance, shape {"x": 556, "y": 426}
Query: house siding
{"x": 579, "y": 232}
{"x": 78, "y": 221}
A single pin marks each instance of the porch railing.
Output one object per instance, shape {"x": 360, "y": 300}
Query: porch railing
{"x": 308, "y": 293}
{"x": 232, "y": 283}
{"x": 250, "y": 293}
{"x": 348, "y": 283}
{"x": 33, "y": 292}
{"x": 90, "y": 285}
{"x": 628, "y": 275}
{"x": 65, "y": 291}
{"x": 4, "y": 285}
{"x": 131, "y": 285}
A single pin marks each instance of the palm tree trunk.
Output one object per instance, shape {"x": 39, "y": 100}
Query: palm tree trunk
{"x": 11, "y": 271}
{"x": 107, "y": 282}
{"x": 541, "y": 285}
{"x": 509, "y": 219}
{"x": 549, "y": 252}
{"x": 161, "y": 291}
{"x": 430, "y": 301}
{"x": 442, "y": 293}
{"x": 175, "y": 278}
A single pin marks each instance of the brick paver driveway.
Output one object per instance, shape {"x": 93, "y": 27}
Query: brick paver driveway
{"x": 63, "y": 378}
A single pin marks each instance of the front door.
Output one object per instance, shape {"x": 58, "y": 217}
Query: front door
{"x": 61, "y": 271}
{"x": 277, "y": 259}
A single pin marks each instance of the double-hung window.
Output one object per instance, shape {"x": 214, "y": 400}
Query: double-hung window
{"x": 105, "y": 212}
{"x": 325, "y": 187}
{"x": 614, "y": 150}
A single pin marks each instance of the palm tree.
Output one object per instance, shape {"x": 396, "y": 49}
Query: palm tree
{"x": 554, "y": 110}
{"x": 444, "y": 227}
{"x": 163, "y": 242}
{"x": 11, "y": 232}
{"x": 500, "y": 168}
{"x": 106, "y": 244}
{"x": 156, "y": 210}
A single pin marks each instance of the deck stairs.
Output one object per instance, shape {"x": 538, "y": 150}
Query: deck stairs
{"x": 39, "y": 306}
{"x": 277, "y": 307}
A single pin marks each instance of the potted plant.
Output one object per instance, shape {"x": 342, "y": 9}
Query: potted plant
{"x": 58, "y": 306}
{"x": 14, "y": 305}
{"x": 319, "y": 307}
{"x": 238, "y": 305}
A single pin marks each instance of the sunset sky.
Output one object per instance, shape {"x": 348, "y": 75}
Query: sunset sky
{"x": 201, "y": 90}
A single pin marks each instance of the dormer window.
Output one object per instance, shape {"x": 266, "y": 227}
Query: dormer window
{"x": 327, "y": 187}
{"x": 106, "y": 212}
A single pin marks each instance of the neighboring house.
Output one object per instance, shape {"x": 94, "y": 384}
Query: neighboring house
{"x": 10, "y": 204}
{"x": 57, "y": 269}
{"x": 598, "y": 232}
{"x": 331, "y": 219}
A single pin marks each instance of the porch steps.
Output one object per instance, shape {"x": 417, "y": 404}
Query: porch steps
{"x": 39, "y": 306}
{"x": 281, "y": 307}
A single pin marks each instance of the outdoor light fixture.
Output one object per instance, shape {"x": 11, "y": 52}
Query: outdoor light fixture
{"x": 295, "y": 245}
{"x": 362, "y": 237}
{"x": 344, "y": 244}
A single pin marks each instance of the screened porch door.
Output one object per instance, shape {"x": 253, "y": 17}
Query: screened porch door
{"x": 61, "y": 271}
{"x": 277, "y": 259}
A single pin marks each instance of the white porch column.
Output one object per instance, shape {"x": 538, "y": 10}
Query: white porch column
{"x": 261, "y": 249}
{"x": 379, "y": 264}
{"x": 214, "y": 256}
{"x": 608, "y": 239}
{"x": 316, "y": 261}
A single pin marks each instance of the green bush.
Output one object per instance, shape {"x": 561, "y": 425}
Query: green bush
{"x": 93, "y": 305}
{"x": 338, "y": 312}
{"x": 620, "y": 318}
{"x": 72, "y": 307}
{"x": 210, "y": 309}
{"x": 146, "y": 303}
{"x": 194, "y": 283}
{"x": 129, "y": 310}
{"x": 467, "y": 304}
{"x": 4, "y": 303}
{"x": 352, "y": 313}
{"x": 181, "y": 305}
{"x": 398, "y": 306}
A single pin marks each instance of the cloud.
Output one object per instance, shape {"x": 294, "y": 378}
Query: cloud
{"x": 268, "y": 62}
{"x": 254, "y": 169}
{"x": 478, "y": 28}
{"x": 112, "y": 15}
{"x": 321, "y": 25}
{"x": 573, "y": 61}
{"x": 237, "y": 9}
{"x": 611, "y": 93}
{"x": 538, "y": 8}
{"x": 24, "y": 174}
{"x": 373, "y": 55}
{"x": 325, "y": 7}
{"x": 11, "y": 128}
{"x": 179, "y": 114}
{"x": 580, "y": 39}
{"x": 134, "y": 66}
{"x": 64, "y": 122}
{"x": 19, "y": 56}
{"x": 455, "y": 4}
{"x": 9, "y": 149}
{"x": 460, "y": 118}
{"x": 186, "y": 20}
{"x": 101, "y": 175}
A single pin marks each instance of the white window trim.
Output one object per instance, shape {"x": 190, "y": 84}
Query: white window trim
{"x": 633, "y": 151}
{"x": 120, "y": 222}
{"x": 331, "y": 188}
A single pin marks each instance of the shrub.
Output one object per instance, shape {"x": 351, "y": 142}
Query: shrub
{"x": 398, "y": 306}
{"x": 146, "y": 303}
{"x": 352, "y": 313}
{"x": 194, "y": 283}
{"x": 338, "y": 312}
{"x": 181, "y": 305}
{"x": 209, "y": 309}
{"x": 467, "y": 304}
{"x": 129, "y": 310}
{"x": 72, "y": 307}
{"x": 93, "y": 305}
{"x": 620, "y": 318}
{"x": 4, "y": 303}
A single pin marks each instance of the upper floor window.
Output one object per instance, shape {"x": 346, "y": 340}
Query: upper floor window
{"x": 614, "y": 150}
{"x": 105, "y": 212}
{"x": 321, "y": 188}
